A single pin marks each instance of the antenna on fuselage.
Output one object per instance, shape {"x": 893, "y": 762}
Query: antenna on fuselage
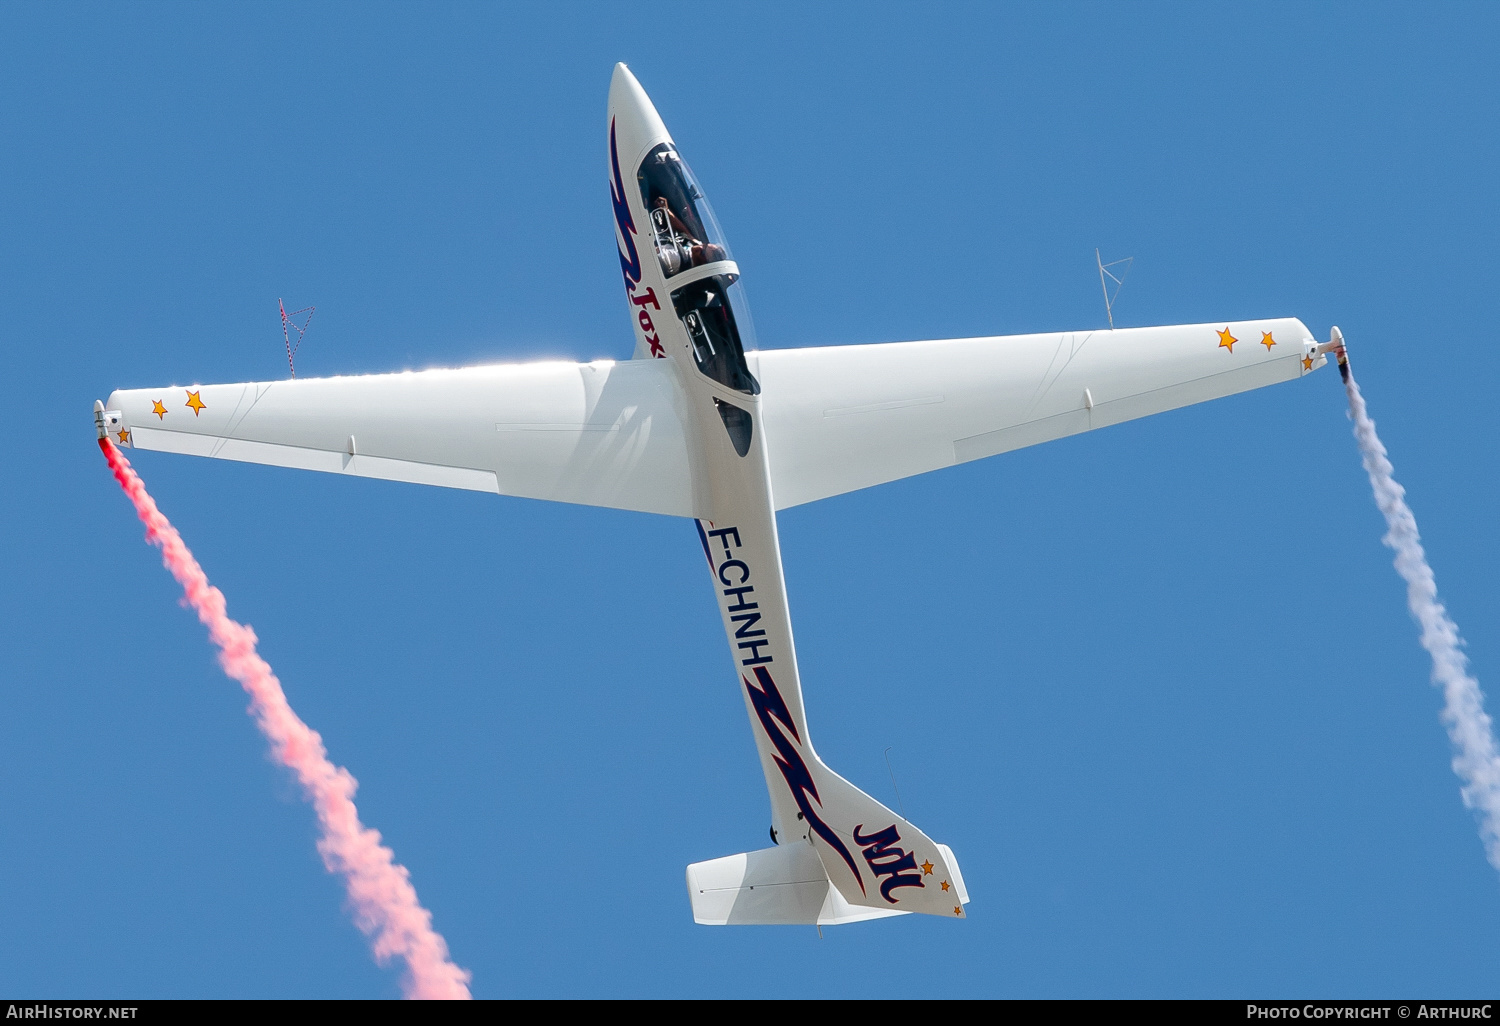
{"x": 1105, "y": 277}
{"x": 288, "y": 325}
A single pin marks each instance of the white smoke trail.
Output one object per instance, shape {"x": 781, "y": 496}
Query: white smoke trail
{"x": 1475, "y": 756}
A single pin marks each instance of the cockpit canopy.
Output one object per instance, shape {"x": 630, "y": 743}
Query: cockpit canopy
{"x": 686, "y": 235}
{"x": 706, "y": 311}
{"x": 683, "y": 226}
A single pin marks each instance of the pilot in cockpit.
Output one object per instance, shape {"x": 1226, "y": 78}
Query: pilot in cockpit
{"x": 699, "y": 252}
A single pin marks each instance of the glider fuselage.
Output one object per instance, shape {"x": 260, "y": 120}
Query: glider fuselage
{"x": 684, "y": 303}
{"x": 683, "y": 296}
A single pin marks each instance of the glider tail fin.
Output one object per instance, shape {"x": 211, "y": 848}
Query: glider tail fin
{"x": 878, "y": 859}
{"x": 852, "y": 859}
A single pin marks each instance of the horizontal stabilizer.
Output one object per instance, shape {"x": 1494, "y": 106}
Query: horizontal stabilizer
{"x": 773, "y": 886}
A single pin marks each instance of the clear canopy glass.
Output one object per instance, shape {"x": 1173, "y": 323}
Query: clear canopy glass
{"x": 683, "y": 227}
{"x": 706, "y": 311}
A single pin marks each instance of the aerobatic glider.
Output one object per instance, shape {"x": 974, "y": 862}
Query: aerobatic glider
{"x": 701, "y": 424}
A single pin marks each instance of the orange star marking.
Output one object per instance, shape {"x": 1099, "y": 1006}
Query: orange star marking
{"x": 197, "y": 405}
{"x": 158, "y": 409}
{"x": 927, "y": 869}
{"x": 1226, "y": 340}
{"x": 958, "y": 910}
{"x": 945, "y": 885}
{"x": 1266, "y": 340}
{"x": 1307, "y": 363}
{"x": 124, "y": 436}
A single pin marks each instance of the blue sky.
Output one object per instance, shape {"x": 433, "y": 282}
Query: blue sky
{"x": 1156, "y": 685}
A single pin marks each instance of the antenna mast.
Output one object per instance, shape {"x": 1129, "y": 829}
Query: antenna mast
{"x": 289, "y": 325}
{"x": 1106, "y": 276}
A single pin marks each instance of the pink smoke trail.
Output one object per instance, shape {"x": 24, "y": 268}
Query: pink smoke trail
{"x": 1476, "y": 760}
{"x": 380, "y": 890}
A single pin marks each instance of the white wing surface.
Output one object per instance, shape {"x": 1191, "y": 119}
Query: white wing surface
{"x": 601, "y": 434}
{"x": 848, "y": 417}
{"x": 837, "y": 419}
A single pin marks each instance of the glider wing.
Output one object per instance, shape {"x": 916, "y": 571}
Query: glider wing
{"x": 847, "y": 417}
{"x": 601, "y": 434}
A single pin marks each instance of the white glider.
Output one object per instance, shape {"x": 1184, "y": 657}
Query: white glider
{"x": 702, "y": 425}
